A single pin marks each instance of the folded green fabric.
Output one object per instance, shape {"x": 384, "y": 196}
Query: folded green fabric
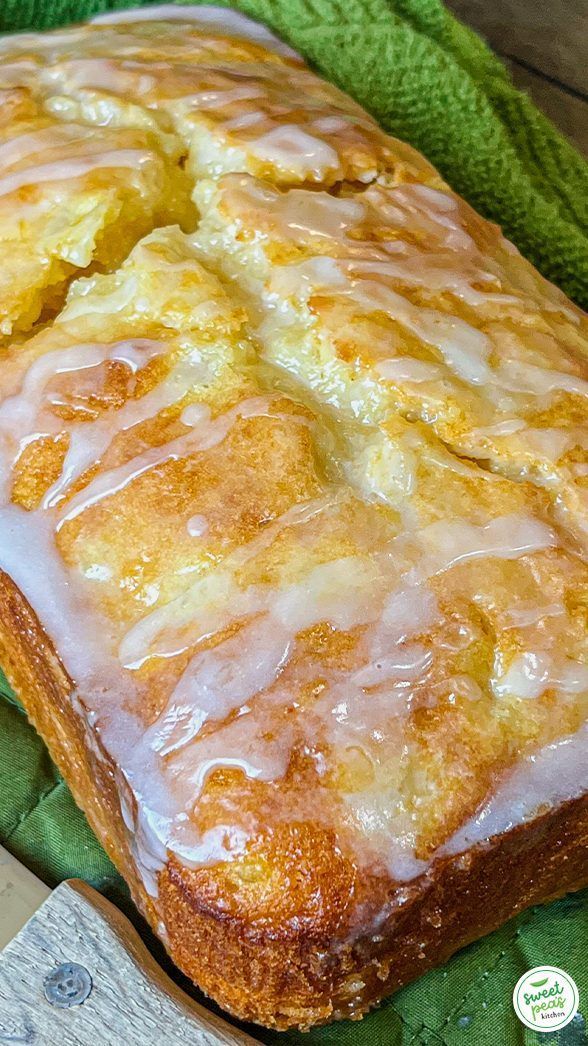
{"x": 431, "y": 81}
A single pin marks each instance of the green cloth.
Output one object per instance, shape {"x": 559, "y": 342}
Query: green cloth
{"x": 433, "y": 82}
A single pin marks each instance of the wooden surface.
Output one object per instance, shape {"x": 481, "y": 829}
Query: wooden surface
{"x": 21, "y": 893}
{"x": 545, "y": 44}
{"x": 131, "y": 1002}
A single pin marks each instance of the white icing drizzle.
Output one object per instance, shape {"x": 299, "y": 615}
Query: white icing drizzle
{"x": 523, "y": 376}
{"x": 408, "y": 612}
{"x": 85, "y": 642}
{"x": 88, "y": 443}
{"x": 77, "y": 167}
{"x": 194, "y": 82}
{"x": 526, "y": 616}
{"x": 355, "y": 267}
{"x": 433, "y": 272}
{"x": 24, "y": 145}
{"x": 552, "y": 775}
{"x": 239, "y": 123}
{"x": 553, "y": 442}
{"x": 218, "y": 682}
{"x": 446, "y": 544}
{"x": 204, "y": 434}
{"x": 247, "y": 666}
{"x": 464, "y": 349}
{"x": 22, "y": 408}
{"x": 530, "y": 674}
{"x": 211, "y": 99}
{"x": 405, "y": 368}
{"x": 408, "y": 664}
{"x": 291, "y": 148}
{"x": 105, "y": 74}
{"x": 16, "y": 73}
{"x": 197, "y": 526}
{"x": 207, "y": 595}
{"x": 436, "y": 548}
{"x": 502, "y": 428}
{"x": 215, "y": 20}
{"x": 346, "y": 593}
{"x": 293, "y": 217}
{"x": 47, "y": 585}
{"x": 295, "y": 607}
{"x": 433, "y": 213}
{"x": 25, "y": 415}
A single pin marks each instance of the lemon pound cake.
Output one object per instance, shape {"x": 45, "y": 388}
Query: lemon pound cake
{"x": 293, "y": 486}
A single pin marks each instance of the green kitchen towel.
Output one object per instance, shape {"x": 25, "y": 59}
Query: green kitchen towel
{"x": 431, "y": 81}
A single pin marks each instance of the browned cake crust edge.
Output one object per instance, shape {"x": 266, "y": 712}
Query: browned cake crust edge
{"x": 297, "y": 978}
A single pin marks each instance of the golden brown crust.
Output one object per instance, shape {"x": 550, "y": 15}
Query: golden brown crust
{"x": 316, "y": 967}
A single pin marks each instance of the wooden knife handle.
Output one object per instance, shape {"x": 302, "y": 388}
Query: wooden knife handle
{"x": 21, "y": 893}
{"x": 128, "y": 999}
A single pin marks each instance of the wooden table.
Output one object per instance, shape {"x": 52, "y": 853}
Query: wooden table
{"x": 545, "y": 45}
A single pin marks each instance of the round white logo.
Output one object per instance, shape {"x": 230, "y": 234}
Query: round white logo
{"x": 546, "y": 998}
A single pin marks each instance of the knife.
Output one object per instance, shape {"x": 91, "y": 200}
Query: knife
{"x": 74, "y": 972}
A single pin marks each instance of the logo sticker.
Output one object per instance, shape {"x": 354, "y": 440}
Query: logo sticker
{"x": 546, "y": 998}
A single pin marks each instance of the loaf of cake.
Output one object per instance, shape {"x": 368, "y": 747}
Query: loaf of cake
{"x": 293, "y": 492}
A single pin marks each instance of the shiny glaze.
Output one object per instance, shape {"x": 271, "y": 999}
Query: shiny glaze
{"x": 418, "y": 300}
{"x": 280, "y": 593}
{"x": 226, "y": 92}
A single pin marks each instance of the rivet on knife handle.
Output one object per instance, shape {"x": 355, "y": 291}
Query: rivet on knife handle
{"x": 129, "y": 998}
{"x": 68, "y": 985}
